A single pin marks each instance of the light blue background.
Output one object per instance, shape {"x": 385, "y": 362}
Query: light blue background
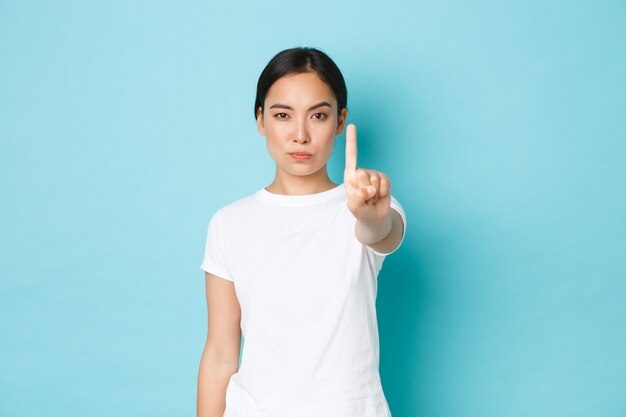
{"x": 502, "y": 124}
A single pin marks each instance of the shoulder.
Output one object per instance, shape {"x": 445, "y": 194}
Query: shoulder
{"x": 237, "y": 210}
{"x": 395, "y": 205}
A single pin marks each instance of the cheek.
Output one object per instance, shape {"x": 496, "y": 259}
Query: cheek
{"x": 325, "y": 138}
{"x": 275, "y": 139}
{"x": 272, "y": 144}
{"x": 328, "y": 143}
{"x": 326, "y": 130}
{"x": 276, "y": 130}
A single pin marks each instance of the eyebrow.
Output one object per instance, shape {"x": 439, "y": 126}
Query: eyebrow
{"x": 315, "y": 106}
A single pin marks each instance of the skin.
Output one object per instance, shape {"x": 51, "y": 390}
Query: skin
{"x": 292, "y": 122}
{"x": 295, "y": 120}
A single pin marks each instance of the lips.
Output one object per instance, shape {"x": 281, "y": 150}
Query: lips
{"x": 300, "y": 156}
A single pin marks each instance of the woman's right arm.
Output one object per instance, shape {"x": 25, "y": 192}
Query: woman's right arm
{"x": 220, "y": 357}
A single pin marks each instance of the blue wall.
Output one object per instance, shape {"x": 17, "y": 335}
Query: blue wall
{"x": 125, "y": 124}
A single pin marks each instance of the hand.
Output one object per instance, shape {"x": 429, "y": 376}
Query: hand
{"x": 369, "y": 191}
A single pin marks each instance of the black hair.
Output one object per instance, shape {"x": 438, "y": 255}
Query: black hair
{"x": 299, "y": 60}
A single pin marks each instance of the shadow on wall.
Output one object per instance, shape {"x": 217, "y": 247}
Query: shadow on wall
{"x": 402, "y": 299}
{"x": 394, "y": 137}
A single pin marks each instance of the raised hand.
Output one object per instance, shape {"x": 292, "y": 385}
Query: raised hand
{"x": 369, "y": 191}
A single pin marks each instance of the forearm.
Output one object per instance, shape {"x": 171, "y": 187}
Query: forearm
{"x": 369, "y": 234}
{"x": 213, "y": 377}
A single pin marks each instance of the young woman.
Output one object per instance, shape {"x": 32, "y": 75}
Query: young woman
{"x": 293, "y": 267}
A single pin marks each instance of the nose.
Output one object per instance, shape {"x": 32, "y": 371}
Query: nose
{"x": 302, "y": 133}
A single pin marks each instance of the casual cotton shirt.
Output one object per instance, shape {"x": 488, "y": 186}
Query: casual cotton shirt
{"x": 307, "y": 290}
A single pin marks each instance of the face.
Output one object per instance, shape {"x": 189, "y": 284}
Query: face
{"x": 300, "y": 117}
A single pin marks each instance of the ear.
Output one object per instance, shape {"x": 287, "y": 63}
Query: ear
{"x": 343, "y": 116}
{"x": 259, "y": 121}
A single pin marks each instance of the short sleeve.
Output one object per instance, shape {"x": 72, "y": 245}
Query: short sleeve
{"x": 214, "y": 261}
{"x": 395, "y": 204}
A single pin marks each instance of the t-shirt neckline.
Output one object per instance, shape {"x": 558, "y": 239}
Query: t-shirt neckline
{"x": 300, "y": 200}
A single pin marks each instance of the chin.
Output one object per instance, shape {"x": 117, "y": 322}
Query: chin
{"x": 302, "y": 171}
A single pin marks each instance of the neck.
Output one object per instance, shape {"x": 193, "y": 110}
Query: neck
{"x": 300, "y": 185}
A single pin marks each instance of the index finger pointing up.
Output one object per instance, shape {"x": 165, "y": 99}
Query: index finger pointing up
{"x": 351, "y": 148}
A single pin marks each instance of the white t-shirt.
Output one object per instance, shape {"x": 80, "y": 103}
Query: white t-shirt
{"x": 307, "y": 290}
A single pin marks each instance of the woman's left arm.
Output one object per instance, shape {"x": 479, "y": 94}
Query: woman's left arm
{"x": 369, "y": 234}
{"x": 369, "y": 199}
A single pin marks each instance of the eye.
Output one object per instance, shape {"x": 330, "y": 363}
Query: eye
{"x": 320, "y": 116}
{"x": 281, "y": 115}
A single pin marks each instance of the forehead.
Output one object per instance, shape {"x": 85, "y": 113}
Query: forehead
{"x": 302, "y": 88}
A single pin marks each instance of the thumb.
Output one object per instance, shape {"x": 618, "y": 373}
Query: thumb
{"x": 357, "y": 199}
